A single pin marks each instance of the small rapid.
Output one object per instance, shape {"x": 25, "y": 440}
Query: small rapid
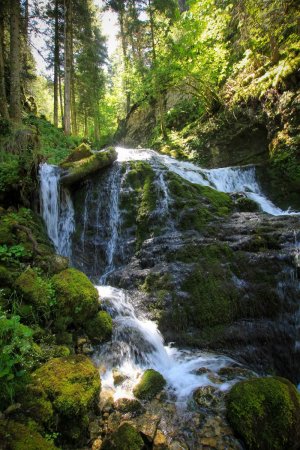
{"x": 137, "y": 345}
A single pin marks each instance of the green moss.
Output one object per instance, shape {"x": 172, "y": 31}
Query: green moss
{"x": 35, "y": 290}
{"x": 16, "y": 436}
{"x": 265, "y": 412}
{"x": 77, "y": 298}
{"x": 151, "y": 383}
{"x": 81, "y": 152}
{"x": 79, "y": 170}
{"x": 125, "y": 438}
{"x": 37, "y": 406}
{"x": 245, "y": 204}
{"x": 99, "y": 329}
{"x": 212, "y": 300}
{"x": 72, "y": 385}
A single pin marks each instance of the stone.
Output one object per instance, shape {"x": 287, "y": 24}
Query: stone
{"x": 97, "y": 444}
{"x": 118, "y": 377}
{"x": 147, "y": 425}
{"x": 207, "y": 397}
{"x": 160, "y": 441}
{"x": 129, "y": 406}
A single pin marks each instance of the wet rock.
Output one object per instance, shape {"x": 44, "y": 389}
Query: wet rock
{"x": 147, "y": 425}
{"x": 95, "y": 429}
{"x": 231, "y": 373}
{"x": 118, "y": 377}
{"x": 207, "y": 397}
{"x": 126, "y": 437}
{"x": 160, "y": 441}
{"x": 129, "y": 406}
{"x": 176, "y": 445}
{"x": 151, "y": 383}
{"x": 97, "y": 444}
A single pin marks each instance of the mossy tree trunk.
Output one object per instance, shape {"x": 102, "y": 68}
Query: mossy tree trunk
{"x": 3, "y": 99}
{"x": 68, "y": 65}
{"x": 15, "y": 83}
{"x": 56, "y": 66}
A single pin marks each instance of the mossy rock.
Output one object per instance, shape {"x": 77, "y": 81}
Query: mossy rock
{"x": 36, "y": 405}
{"x": 35, "y": 290}
{"x": 245, "y": 204}
{"x": 77, "y": 298}
{"x": 99, "y": 329}
{"x": 126, "y": 437}
{"x": 79, "y": 170}
{"x": 265, "y": 413}
{"x": 72, "y": 384}
{"x": 151, "y": 383}
{"x": 16, "y": 436}
{"x": 77, "y": 154}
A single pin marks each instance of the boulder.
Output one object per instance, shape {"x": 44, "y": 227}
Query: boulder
{"x": 265, "y": 413}
{"x": 151, "y": 383}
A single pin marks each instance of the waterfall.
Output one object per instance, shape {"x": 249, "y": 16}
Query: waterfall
{"x": 137, "y": 345}
{"x": 57, "y": 209}
{"x": 227, "y": 179}
{"x": 113, "y": 220}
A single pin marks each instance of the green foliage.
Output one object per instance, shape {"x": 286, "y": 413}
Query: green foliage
{"x": 126, "y": 437}
{"x": 14, "y": 251}
{"x": 9, "y": 172}
{"x": 15, "y": 346}
{"x": 265, "y": 412}
{"x": 54, "y": 144}
{"x": 151, "y": 383}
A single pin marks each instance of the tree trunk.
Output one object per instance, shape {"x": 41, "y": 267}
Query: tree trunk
{"x": 68, "y": 65}
{"x": 96, "y": 123}
{"x": 160, "y": 101}
{"x": 125, "y": 58}
{"x": 15, "y": 85}
{"x": 85, "y": 123}
{"x": 3, "y": 99}
{"x": 56, "y": 66}
{"x": 61, "y": 99}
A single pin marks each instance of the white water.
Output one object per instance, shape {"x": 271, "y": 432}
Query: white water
{"x": 137, "y": 345}
{"x": 57, "y": 209}
{"x": 227, "y": 179}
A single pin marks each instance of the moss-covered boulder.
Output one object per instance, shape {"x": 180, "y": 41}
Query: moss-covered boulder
{"x": 77, "y": 298}
{"x": 72, "y": 385}
{"x": 33, "y": 288}
{"x": 99, "y": 329}
{"x": 265, "y": 413}
{"x": 151, "y": 383}
{"x": 77, "y": 154}
{"x": 78, "y": 170}
{"x": 16, "y": 436}
{"x": 126, "y": 437}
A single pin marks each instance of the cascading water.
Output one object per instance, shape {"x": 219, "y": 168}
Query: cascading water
{"x": 57, "y": 209}
{"x": 137, "y": 343}
{"x": 227, "y": 179}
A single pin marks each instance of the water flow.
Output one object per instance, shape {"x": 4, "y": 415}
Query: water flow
{"x": 114, "y": 220}
{"x": 137, "y": 345}
{"x": 57, "y": 209}
{"x": 227, "y": 179}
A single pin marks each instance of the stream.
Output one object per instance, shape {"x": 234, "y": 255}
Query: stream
{"x": 137, "y": 343}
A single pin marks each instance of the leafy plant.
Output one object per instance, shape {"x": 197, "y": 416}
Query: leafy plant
{"x": 15, "y": 345}
{"x": 12, "y": 252}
